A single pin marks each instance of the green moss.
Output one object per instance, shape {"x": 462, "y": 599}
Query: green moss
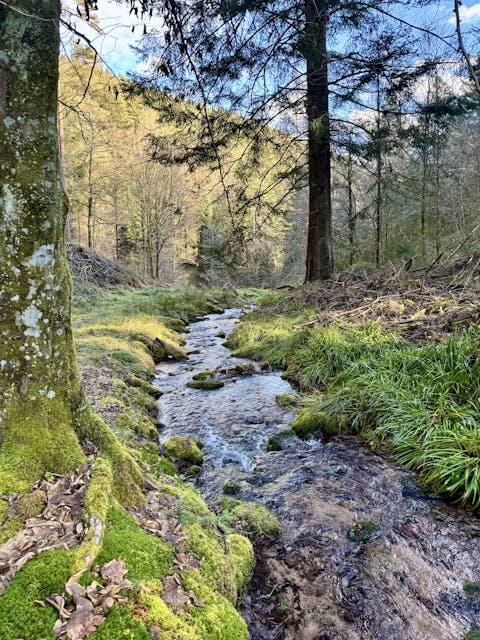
{"x": 193, "y": 470}
{"x": 42, "y": 576}
{"x": 278, "y": 441}
{"x": 471, "y": 588}
{"x": 95, "y": 507}
{"x": 231, "y": 488}
{"x": 146, "y": 387}
{"x": 127, "y": 478}
{"x": 244, "y": 559}
{"x": 202, "y": 375}
{"x": 363, "y": 531}
{"x": 310, "y": 422}
{"x": 121, "y": 624}
{"x": 221, "y": 334}
{"x": 9, "y": 529}
{"x": 141, "y": 426}
{"x": 155, "y": 463}
{"x": 206, "y": 385}
{"x": 287, "y": 400}
{"x": 30, "y": 504}
{"x": 244, "y": 368}
{"x": 473, "y": 634}
{"x": 30, "y": 446}
{"x": 217, "y": 619}
{"x": 147, "y": 557}
{"x": 184, "y": 449}
{"x": 249, "y": 518}
{"x": 146, "y": 403}
{"x": 174, "y": 626}
{"x": 4, "y": 507}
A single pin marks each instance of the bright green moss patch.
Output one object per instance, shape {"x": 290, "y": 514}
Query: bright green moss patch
{"x": 4, "y": 506}
{"x": 184, "y": 449}
{"x": 121, "y": 624}
{"x": 19, "y": 617}
{"x": 95, "y": 507}
{"x": 30, "y": 447}
{"x": 143, "y": 385}
{"x": 206, "y": 385}
{"x": 287, "y": 400}
{"x": 249, "y": 518}
{"x": 217, "y": 619}
{"x": 127, "y": 478}
{"x": 147, "y": 557}
{"x": 203, "y": 375}
{"x": 308, "y": 423}
{"x": 244, "y": 559}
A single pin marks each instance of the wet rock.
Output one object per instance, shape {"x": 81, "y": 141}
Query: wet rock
{"x": 280, "y": 440}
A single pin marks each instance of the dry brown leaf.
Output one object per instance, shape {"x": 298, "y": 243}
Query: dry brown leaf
{"x": 114, "y": 571}
{"x": 174, "y": 594}
{"x": 82, "y": 624}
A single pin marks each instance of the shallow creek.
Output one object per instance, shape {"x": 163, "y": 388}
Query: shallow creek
{"x": 403, "y": 582}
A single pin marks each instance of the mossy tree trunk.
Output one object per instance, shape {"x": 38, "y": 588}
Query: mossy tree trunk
{"x": 41, "y": 401}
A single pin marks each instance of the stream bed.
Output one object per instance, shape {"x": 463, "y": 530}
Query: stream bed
{"x": 365, "y": 554}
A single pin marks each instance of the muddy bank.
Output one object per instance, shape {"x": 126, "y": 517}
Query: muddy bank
{"x": 364, "y": 553}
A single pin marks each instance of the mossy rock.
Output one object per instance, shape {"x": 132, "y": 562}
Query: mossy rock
{"x": 31, "y": 504}
{"x": 244, "y": 369}
{"x": 184, "y": 450}
{"x": 221, "y": 334}
{"x": 309, "y": 423}
{"x": 473, "y": 634}
{"x": 231, "y": 488}
{"x": 287, "y": 400}
{"x": 363, "y": 531}
{"x": 193, "y": 470}
{"x": 143, "y": 385}
{"x": 279, "y": 440}
{"x": 176, "y": 324}
{"x": 203, "y": 375}
{"x": 249, "y": 519}
{"x": 472, "y": 588}
{"x": 206, "y": 385}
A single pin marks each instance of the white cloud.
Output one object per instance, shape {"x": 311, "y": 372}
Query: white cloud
{"x": 468, "y": 14}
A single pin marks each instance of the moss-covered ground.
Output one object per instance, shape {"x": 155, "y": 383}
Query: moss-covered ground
{"x": 406, "y": 379}
{"x": 115, "y": 333}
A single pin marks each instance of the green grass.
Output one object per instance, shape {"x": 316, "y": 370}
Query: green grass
{"x": 421, "y": 402}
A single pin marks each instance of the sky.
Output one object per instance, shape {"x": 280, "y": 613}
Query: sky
{"x": 115, "y": 44}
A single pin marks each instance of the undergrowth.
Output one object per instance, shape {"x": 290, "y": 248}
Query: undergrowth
{"x": 421, "y": 402}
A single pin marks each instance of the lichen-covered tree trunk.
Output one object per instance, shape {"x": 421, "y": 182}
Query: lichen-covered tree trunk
{"x": 41, "y": 401}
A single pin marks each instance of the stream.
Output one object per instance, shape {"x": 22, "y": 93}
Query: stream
{"x": 365, "y": 554}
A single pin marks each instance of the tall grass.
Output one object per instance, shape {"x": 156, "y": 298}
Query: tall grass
{"x": 421, "y": 402}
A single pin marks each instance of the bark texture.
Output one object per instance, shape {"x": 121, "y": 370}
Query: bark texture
{"x": 41, "y": 400}
{"x": 319, "y": 265}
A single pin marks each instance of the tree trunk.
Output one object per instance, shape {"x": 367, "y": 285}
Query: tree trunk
{"x": 41, "y": 400}
{"x": 319, "y": 263}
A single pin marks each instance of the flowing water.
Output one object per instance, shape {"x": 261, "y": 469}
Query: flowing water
{"x": 331, "y": 576}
